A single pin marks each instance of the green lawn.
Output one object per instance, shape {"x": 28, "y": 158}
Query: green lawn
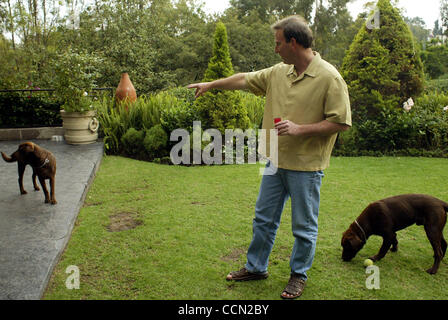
{"x": 194, "y": 225}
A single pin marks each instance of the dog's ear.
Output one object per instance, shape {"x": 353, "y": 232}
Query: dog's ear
{"x": 27, "y": 147}
{"x": 350, "y": 238}
{"x": 344, "y": 238}
{"x": 355, "y": 241}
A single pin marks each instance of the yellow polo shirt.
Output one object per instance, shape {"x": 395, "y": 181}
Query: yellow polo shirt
{"x": 317, "y": 94}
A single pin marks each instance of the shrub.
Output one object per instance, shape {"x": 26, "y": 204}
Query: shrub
{"x": 255, "y": 108}
{"x": 180, "y": 115}
{"x": 116, "y": 119}
{"x": 432, "y": 121}
{"x": 155, "y": 142}
{"x": 382, "y": 67}
{"x": 439, "y": 85}
{"x": 391, "y": 130}
{"x": 163, "y": 110}
{"x": 75, "y": 74}
{"x": 18, "y": 110}
{"x": 423, "y": 131}
{"x": 182, "y": 93}
{"x": 111, "y": 127}
{"x": 132, "y": 142}
{"x": 435, "y": 59}
{"x": 221, "y": 109}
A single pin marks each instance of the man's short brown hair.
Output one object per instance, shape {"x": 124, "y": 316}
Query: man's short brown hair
{"x": 295, "y": 27}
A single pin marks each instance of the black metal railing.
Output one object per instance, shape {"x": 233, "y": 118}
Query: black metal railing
{"x": 110, "y": 89}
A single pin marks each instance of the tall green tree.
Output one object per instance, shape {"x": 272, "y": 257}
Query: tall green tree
{"x": 221, "y": 109}
{"x": 251, "y": 42}
{"x": 127, "y": 35}
{"x": 435, "y": 60}
{"x": 30, "y": 27}
{"x": 220, "y": 64}
{"x": 267, "y": 10}
{"x": 382, "y": 67}
{"x": 332, "y": 28}
{"x": 186, "y": 45}
{"x": 304, "y": 8}
{"x": 418, "y": 29}
{"x": 160, "y": 43}
{"x": 271, "y": 10}
{"x": 437, "y": 30}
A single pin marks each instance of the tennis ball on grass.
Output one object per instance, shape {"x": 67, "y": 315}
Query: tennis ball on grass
{"x": 368, "y": 262}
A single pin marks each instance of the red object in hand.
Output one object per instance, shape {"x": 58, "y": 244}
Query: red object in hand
{"x": 277, "y": 120}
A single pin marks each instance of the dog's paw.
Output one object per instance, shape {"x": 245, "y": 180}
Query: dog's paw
{"x": 23, "y": 192}
{"x": 53, "y": 202}
{"x": 37, "y": 189}
{"x": 431, "y": 271}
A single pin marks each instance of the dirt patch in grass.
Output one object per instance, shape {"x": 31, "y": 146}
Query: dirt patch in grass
{"x": 234, "y": 255}
{"x": 92, "y": 204}
{"x": 123, "y": 221}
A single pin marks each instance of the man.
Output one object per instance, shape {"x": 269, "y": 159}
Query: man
{"x": 311, "y": 98}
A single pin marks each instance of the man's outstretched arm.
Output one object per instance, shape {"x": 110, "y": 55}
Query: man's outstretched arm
{"x": 235, "y": 82}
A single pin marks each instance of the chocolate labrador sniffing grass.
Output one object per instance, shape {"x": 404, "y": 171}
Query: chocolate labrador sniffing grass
{"x": 43, "y": 163}
{"x": 385, "y": 217}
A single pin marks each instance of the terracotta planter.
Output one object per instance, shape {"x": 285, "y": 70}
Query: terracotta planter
{"x": 125, "y": 89}
{"x": 80, "y": 128}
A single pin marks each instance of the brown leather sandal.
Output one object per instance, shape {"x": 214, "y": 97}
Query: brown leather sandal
{"x": 295, "y": 287}
{"x": 244, "y": 275}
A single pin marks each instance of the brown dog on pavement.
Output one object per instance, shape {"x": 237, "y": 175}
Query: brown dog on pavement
{"x": 43, "y": 163}
{"x": 385, "y": 217}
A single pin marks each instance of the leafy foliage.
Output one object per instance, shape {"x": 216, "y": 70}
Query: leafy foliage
{"x": 160, "y": 43}
{"x": 382, "y": 67}
{"x": 423, "y": 131}
{"x": 180, "y": 115}
{"x": 255, "y": 108}
{"x": 75, "y": 75}
{"x": 220, "y": 64}
{"x": 132, "y": 141}
{"x": 116, "y": 120}
{"x": 250, "y": 42}
{"x": 333, "y": 30}
{"x": 435, "y": 59}
{"x": 267, "y": 10}
{"x": 35, "y": 109}
{"x": 164, "y": 44}
{"x": 221, "y": 109}
{"x": 137, "y": 131}
{"x": 155, "y": 142}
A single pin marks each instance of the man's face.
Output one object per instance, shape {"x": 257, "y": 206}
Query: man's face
{"x": 282, "y": 47}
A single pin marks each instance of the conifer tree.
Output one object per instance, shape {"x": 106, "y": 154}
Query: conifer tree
{"x": 221, "y": 109}
{"x": 382, "y": 67}
{"x": 220, "y": 64}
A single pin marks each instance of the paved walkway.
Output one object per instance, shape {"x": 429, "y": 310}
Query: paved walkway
{"x": 34, "y": 234}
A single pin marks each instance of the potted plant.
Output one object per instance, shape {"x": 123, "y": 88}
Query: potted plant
{"x": 75, "y": 74}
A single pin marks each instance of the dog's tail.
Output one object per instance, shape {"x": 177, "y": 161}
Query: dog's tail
{"x": 13, "y": 157}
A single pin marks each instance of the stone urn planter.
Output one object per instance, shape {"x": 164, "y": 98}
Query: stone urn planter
{"x": 80, "y": 127}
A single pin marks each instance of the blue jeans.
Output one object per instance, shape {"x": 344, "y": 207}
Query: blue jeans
{"x": 304, "y": 190}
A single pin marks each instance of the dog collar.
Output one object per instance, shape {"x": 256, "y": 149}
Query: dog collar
{"x": 45, "y": 162}
{"x": 362, "y": 230}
